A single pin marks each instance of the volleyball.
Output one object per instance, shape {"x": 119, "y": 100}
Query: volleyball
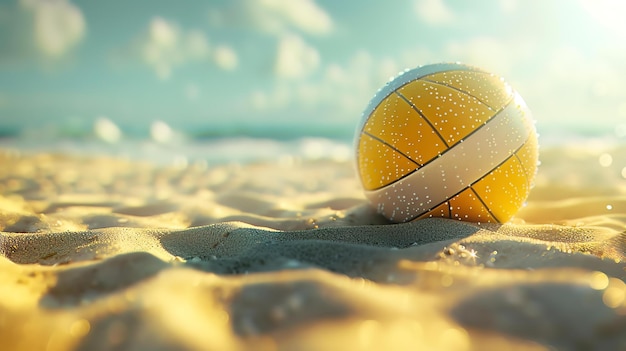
{"x": 447, "y": 140}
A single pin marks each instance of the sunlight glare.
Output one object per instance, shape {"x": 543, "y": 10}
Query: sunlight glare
{"x": 608, "y": 13}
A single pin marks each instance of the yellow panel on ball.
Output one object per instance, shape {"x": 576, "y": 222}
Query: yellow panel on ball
{"x": 468, "y": 206}
{"x": 528, "y": 156}
{"x": 505, "y": 189}
{"x": 396, "y": 123}
{"x": 442, "y": 105}
{"x": 380, "y": 164}
{"x": 447, "y": 140}
{"x": 486, "y": 87}
{"x": 442, "y": 211}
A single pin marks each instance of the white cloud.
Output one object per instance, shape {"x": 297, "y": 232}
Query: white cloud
{"x": 107, "y": 130}
{"x": 434, "y": 12}
{"x": 508, "y": 6}
{"x": 162, "y": 33}
{"x": 281, "y": 16}
{"x": 196, "y": 44}
{"x": 563, "y": 83}
{"x": 161, "y": 132}
{"x": 340, "y": 90}
{"x": 58, "y": 26}
{"x": 161, "y": 48}
{"x": 608, "y": 13}
{"x": 576, "y": 87}
{"x": 164, "y": 46}
{"x": 295, "y": 58}
{"x": 387, "y": 69}
{"x": 497, "y": 56}
{"x": 568, "y": 86}
{"x": 285, "y": 20}
{"x": 225, "y": 58}
{"x": 271, "y": 100}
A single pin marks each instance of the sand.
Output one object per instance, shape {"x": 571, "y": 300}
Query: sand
{"x": 99, "y": 253}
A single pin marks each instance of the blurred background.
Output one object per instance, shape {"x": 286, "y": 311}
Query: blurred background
{"x": 119, "y": 75}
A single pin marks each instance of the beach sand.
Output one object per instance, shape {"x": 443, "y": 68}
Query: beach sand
{"x": 99, "y": 253}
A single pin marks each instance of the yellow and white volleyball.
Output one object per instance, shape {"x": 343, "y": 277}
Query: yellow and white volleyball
{"x": 447, "y": 140}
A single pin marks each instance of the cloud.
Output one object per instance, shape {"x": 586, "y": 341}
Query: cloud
{"x": 498, "y": 56}
{"x": 607, "y": 13}
{"x": 276, "y": 17}
{"x": 287, "y": 21}
{"x": 563, "y": 88}
{"x": 434, "y": 12}
{"x": 508, "y": 6}
{"x": 165, "y": 46}
{"x": 58, "y": 25}
{"x": 107, "y": 130}
{"x": 160, "y": 47}
{"x": 225, "y": 58}
{"x": 281, "y": 16}
{"x": 337, "y": 91}
{"x": 161, "y": 132}
{"x": 196, "y": 45}
{"x": 565, "y": 82}
{"x": 295, "y": 58}
{"x": 576, "y": 87}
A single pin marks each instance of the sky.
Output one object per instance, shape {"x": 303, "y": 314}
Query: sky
{"x": 258, "y": 66}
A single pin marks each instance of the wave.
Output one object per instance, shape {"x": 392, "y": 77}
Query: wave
{"x": 241, "y": 143}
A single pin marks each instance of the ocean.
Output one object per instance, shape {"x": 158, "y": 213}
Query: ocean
{"x": 163, "y": 144}
{"x": 182, "y": 145}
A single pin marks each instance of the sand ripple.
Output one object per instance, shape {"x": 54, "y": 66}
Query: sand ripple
{"x": 99, "y": 254}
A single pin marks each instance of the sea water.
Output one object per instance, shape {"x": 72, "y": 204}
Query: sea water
{"x": 165, "y": 144}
